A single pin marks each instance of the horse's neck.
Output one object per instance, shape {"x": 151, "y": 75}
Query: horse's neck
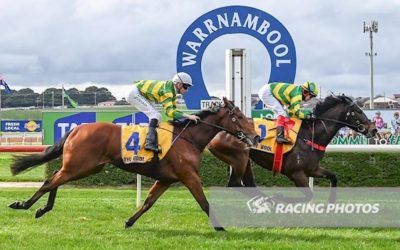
{"x": 324, "y": 130}
{"x": 202, "y": 133}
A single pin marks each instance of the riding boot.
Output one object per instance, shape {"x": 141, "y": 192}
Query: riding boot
{"x": 152, "y": 137}
{"x": 280, "y": 138}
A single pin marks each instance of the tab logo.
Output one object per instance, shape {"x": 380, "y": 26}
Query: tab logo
{"x": 135, "y": 118}
{"x": 66, "y": 124}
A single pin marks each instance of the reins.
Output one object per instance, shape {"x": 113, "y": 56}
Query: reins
{"x": 340, "y": 122}
{"x": 314, "y": 145}
{"x": 238, "y": 134}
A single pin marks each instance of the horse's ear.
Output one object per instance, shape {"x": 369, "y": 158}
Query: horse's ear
{"x": 226, "y": 102}
{"x": 335, "y": 96}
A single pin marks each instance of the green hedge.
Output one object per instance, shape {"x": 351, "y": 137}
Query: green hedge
{"x": 352, "y": 169}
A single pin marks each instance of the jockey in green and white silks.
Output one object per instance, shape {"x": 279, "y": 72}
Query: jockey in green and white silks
{"x": 284, "y": 99}
{"x": 146, "y": 92}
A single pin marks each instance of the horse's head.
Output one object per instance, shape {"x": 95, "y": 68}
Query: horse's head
{"x": 347, "y": 113}
{"x": 232, "y": 119}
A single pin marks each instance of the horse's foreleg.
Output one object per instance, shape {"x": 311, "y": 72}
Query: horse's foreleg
{"x": 155, "y": 192}
{"x": 248, "y": 176}
{"x": 239, "y": 164}
{"x": 193, "y": 183}
{"x": 324, "y": 173}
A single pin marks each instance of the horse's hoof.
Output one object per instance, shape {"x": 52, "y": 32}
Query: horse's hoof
{"x": 220, "y": 229}
{"x": 39, "y": 213}
{"x": 15, "y": 205}
{"x": 128, "y": 224}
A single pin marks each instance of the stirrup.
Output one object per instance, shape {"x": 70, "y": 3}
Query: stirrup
{"x": 283, "y": 140}
{"x": 152, "y": 148}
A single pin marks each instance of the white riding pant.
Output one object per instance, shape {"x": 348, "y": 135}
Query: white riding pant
{"x": 270, "y": 101}
{"x": 142, "y": 104}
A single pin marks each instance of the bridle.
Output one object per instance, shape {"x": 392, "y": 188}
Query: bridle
{"x": 350, "y": 117}
{"x": 238, "y": 133}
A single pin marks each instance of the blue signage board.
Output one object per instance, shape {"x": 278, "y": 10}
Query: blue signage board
{"x": 67, "y": 123}
{"x": 234, "y": 20}
{"x": 21, "y": 126}
{"x": 135, "y": 118}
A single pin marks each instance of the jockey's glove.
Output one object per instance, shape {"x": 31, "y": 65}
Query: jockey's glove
{"x": 311, "y": 117}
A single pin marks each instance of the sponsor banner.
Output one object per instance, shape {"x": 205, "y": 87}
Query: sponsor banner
{"x": 386, "y": 121}
{"x": 56, "y": 124}
{"x": 65, "y": 124}
{"x": 21, "y": 126}
{"x": 288, "y": 207}
{"x": 134, "y": 118}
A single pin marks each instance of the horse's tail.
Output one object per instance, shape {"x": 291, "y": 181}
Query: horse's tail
{"x": 22, "y": 163}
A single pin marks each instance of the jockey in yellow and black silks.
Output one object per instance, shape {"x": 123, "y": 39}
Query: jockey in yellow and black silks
{"x": 284, "y": 99}
{"x": 146, "y": 92}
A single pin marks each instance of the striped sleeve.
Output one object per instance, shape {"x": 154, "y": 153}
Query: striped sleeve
{"x": 168, "y": 102}
{"x": 281, "y": 91}
{"x": 295, "y": 109}
{"x": 290, "y": 95}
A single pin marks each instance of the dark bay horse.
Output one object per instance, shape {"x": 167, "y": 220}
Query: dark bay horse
{"x": 88, "y": 147}
{"x": 303, "y": 160}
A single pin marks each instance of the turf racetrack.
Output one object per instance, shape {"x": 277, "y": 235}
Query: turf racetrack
{"x": 94, "y": 219}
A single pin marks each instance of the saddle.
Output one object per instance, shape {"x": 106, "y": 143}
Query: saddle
{"x": 133, "y": 138}
{"x": 267, "y": 131}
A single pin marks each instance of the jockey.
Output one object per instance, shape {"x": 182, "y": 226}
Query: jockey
{"x": 164, "y": 92}
{"x": 284, "y": 96}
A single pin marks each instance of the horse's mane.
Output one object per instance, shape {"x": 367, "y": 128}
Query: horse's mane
{"x": 329, "y": 102}
{"x": 202, "y": 114}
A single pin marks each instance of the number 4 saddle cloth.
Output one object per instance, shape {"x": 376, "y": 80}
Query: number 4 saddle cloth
{"x": 133, "y": 138}
{"x": 267, "y": 131}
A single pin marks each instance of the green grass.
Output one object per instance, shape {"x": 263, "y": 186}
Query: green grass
{"x": 36, "y": 174}
{"x": 94, "y": 219}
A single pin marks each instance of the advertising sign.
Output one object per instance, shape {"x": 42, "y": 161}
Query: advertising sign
{"x": 21, "y": 126}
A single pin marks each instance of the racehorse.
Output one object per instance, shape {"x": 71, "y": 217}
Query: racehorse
{"x": 303, "y": 160}
{"x": 88, "y": 147}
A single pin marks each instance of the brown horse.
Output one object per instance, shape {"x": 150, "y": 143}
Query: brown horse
{"x": 88, "y": 147}
{"x": 303, "y": 160}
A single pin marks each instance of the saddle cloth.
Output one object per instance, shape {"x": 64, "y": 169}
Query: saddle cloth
{"x": 267, "y": 131}
{"x": 133, "y": 138}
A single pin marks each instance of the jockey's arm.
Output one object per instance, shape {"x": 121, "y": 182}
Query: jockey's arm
{"x": 295, "y": 110}
{"x": 171, "y": 110}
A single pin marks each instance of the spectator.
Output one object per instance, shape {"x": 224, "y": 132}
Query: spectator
{"x": 378, "y": 120}
{"x": 395, "y": 122}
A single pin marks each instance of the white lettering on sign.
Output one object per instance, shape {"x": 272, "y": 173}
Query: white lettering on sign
{"x": 66, "y": 127}
{"x": 251, "y": 22}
